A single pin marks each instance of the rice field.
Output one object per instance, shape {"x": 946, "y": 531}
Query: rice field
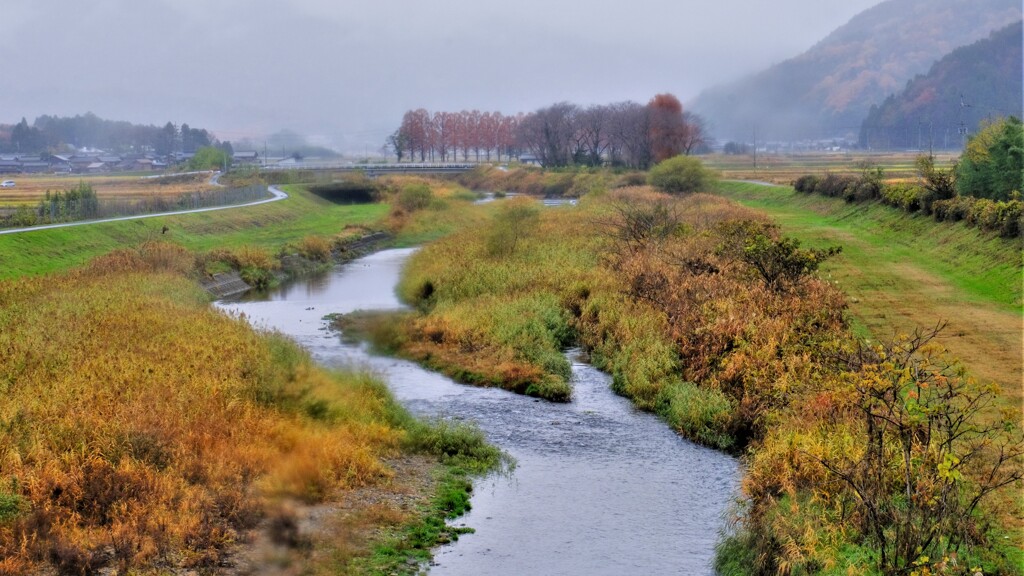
{"x": 785, "y": 168}
{"x": 31, "y": 188}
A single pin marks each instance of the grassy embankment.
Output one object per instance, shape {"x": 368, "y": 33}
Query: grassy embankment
{"x": 904, "y": 271}
{"x": 143, "y": 430}
{"x": 268, "y": 226}
{"x": 673, "y": 298}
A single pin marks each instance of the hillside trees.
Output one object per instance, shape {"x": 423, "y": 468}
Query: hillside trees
{"x": 53, "y": 133}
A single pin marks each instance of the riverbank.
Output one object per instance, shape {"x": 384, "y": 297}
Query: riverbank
{"x": 146, "y": 431}
{"x": 713, "y": 318}
{"x": 661, "y": 498}
{"x": 902, "y": 272}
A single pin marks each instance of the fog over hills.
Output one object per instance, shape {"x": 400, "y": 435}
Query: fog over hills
{"x": 829, "y": 89}
{"x": 343, "y": 73}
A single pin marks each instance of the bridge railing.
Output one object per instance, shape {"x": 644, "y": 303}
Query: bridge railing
{"x": 419, "y": 167}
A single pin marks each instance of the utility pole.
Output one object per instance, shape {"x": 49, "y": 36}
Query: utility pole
{"x": 755, "y": 150}
{"x": 963, "y": 126}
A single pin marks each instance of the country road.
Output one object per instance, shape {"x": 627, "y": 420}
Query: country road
{"x": 277, "y": 192}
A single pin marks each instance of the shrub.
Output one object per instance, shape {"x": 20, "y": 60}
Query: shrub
{"x": 834, "y": 185}
{"x": 680, "y": 175}
{"x": 906, "y": 196}
{"x": 806, "y": 183}
{"x": 414, "y": 197}
{"x": 699, "y": 413}
{"x": 315, "y": 248}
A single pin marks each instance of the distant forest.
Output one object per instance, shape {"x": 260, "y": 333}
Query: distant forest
{"x": 56, "y": 134}
{"x": 974, "y": 83}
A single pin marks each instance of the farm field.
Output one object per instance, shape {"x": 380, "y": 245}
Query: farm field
{"x": 784, "y": 169}
{"x": 31, "y": 188}
{"x": 903, "y": 272}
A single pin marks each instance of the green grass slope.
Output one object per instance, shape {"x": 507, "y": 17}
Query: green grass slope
{"x": 905, "y": 271}
{"x": 267, "y": 225}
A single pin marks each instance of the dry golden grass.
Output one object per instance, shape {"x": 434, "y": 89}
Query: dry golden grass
{"x": 140, "y": 427}
{"x": 31, "y": 188}
{"x": 784, "y": 169}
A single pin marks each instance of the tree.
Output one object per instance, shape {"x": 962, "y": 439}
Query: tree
{"x": 669, "y": 131}
{"x": 27, "y": 139}
{"x": 209, "y": 158}
{"x": 680, "y": 175}
{"x": 549, "y": 134}
{"x": 992, "y": 165}
{"x": 630, "y": 126}
{"x": 166, "y": 140}
{"x": 399, "y": 143}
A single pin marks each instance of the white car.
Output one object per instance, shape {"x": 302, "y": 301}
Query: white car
{"x": 7, "y": 184}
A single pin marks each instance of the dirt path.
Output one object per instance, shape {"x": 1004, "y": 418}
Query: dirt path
{"x": 901, "y": 297}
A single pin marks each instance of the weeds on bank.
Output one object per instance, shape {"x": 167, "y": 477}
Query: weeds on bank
{"x": 139, "y": 427}
{"x": 708, "y": 315}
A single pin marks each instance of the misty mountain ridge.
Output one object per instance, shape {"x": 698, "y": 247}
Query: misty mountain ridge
{"x": 968, "y": 86}
{"x": 828, "y": 90}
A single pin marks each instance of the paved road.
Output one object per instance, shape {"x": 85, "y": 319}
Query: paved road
{"x": 277, "y": 192}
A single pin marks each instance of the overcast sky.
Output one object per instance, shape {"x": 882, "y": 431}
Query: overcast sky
{"x": 343, "y": 72}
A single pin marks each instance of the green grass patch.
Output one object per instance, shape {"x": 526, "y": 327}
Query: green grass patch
{"x": 464, "y": 454}
{"x": 981, "y": 267}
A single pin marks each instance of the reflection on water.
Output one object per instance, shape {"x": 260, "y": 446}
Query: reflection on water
{"x": 599, "y": 488}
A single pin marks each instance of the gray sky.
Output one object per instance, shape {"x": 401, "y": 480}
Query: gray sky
{"x": 343, "y": 72}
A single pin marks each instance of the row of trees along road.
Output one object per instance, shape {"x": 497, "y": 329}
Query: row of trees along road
{"x": 563, "y": 134}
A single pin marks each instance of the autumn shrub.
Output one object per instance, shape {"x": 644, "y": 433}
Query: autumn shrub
{"x": 256, "y": 265}
{"x": 414, "y": 197}
{"x": 315, "y": 248}
{"x": 630, "y": 179}
{"x": 835, "y": 185}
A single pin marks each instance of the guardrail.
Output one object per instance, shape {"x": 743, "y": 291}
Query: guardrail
{"x": 394, "y": 168}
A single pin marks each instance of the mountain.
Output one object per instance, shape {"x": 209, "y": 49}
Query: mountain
{"x": 828, "y": 90}
{"x": 972, "y": 83}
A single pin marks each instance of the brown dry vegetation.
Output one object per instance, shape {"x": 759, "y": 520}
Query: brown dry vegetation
{"x": 140, "y": 428}
{"x": 784, "y": 169}
{"x": 30, "y": 189}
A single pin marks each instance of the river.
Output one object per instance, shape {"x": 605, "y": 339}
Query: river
{"x": 598, "y": 488}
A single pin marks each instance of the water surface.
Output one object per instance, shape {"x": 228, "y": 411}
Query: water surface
{"x": 599, "y": 488}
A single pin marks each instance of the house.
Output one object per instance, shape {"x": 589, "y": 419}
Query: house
{"x": 109, "y": 160}
{"x": 246, "y": 158}
{"x": 81, "y": 163}
{"x": 96, "y": 167}
{"x": 35, "y": 167}
{"x": 10, "y": 167}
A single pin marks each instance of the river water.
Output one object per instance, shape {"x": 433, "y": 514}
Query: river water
{"x": 598, "y": 488}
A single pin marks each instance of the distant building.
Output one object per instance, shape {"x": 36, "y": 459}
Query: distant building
{"x": 246, "y": 158}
